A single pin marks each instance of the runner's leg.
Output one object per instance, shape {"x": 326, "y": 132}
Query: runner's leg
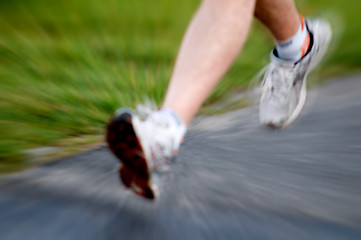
{"x": 301, "y": 44}
{"x": 280, "y": 16}
{"x": 212, "y": 42}
{"x": 287, "y": 27}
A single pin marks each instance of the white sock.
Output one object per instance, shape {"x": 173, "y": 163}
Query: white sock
{"x": 295, "y": 47}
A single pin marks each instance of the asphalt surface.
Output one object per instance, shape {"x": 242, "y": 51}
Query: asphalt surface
{"x": 232, "y": 180}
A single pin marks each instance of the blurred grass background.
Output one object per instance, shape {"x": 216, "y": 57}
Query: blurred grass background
{"x": 65, "y": 66}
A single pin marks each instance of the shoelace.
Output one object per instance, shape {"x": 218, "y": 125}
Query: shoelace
{"x": 162, "y": 142}
{"x": 276, "y": 78}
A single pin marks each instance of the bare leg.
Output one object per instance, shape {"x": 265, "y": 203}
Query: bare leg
{"x": 212, "y": 42}
{"x": 280, "y": 16}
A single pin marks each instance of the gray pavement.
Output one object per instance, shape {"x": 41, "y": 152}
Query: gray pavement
{"x": 232, "y": 180}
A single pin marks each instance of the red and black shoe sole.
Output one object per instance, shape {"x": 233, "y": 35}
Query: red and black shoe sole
{"x": 125, "y": 145}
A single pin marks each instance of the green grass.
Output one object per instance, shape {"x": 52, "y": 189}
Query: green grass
{"x": 65, "y": 66}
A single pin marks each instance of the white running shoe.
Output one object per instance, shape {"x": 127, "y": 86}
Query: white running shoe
{"x": 284, "y": 83}
{"x": 144, "y": 148}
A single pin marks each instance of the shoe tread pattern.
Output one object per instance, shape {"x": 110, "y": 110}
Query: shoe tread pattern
{"x": 123, "y": 142}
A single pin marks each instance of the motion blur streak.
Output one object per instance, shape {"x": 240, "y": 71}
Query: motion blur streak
{"x": 232, "y": 180}
{"x": 66, "y": 66}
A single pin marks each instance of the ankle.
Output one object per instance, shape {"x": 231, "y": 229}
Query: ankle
{"x": 296, "y": 46}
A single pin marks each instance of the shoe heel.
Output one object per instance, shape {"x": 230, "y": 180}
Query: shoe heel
{"x": 123, "y": 142}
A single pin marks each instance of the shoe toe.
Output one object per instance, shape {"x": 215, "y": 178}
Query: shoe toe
{"x": 273, "y": 116}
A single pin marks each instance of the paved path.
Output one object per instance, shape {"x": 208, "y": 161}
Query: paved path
{"x": 232, "y": 180}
